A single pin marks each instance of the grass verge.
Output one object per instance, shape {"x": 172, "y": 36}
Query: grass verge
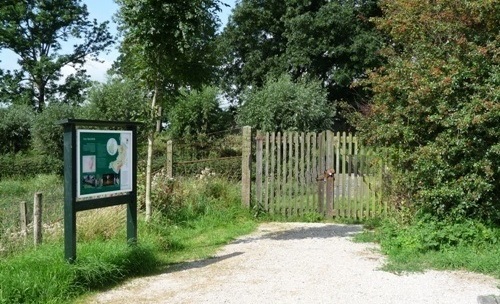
{"x": 427, "y": 243}
{"x": 195, "y": 220}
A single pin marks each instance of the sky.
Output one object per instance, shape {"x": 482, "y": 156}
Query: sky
{"x": 102, "y": 10}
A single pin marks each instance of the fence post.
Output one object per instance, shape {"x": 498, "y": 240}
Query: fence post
{"x": 169, "y": 159}
{"x": 246, "y": 153}
{"x": 37, "y": 218}
{"x": 24, "y": 221}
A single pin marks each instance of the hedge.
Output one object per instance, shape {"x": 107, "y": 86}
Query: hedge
{"x": 25, "y": 165}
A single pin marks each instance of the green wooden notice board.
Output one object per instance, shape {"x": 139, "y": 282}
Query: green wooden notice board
{"x": 100, "y": 170}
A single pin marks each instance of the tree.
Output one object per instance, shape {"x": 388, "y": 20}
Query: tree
{"x": 252, "y": 44}
{"x": 10, "y": 90}
{"x": 74, "y": 89}
{"x": 282, "y": 105}
{"x": 118, "y": 99}
{"x": 166, "y": 45}
{"x": 436, "y": 106}
{"x": 198, "y": 113}
{"x": 333, "y": 41}
{"x": 35, "y": 29}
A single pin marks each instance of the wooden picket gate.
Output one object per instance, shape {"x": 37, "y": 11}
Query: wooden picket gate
{"x": 290, "y": 175}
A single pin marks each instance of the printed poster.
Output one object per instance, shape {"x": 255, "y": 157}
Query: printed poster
{"x": 104, "y": 163}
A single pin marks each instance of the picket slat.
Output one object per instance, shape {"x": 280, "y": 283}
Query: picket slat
{"x": 337, "y": 174}
{"x": 277, "y": 203}
{"x": 273, "y": 173}
{"x": 290, "y": 172}
{"x": 314, "y": 172}
{"x": 266, "y": 174}
{"x": 308, "y": 181}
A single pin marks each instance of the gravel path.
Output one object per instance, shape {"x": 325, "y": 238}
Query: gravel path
{"x": 299, "y": 263}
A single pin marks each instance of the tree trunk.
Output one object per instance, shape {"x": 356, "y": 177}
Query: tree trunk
{"x": 40, "y": 99}
{"x": 149, "y": 160}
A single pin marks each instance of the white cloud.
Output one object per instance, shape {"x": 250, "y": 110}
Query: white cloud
{"x": 96, "y": 69}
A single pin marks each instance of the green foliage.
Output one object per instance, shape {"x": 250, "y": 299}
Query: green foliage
{"x": 284, "y": 105}
{"x": 47, "y": 134}
{"x": 252, "y": 43}
{"x": 181, "y": 201}
{"x": 13, "y": 191}
{"x": 34, "y": 30}
{"x": 118, "y": 99}
{"x": 227, "y": 168}
{"x": 203, "y": 216}
{"x": 195, "y": 216}
{"x": 428, "y": 234}
{"x": 29, "y": 164}
{"x": 15, "y": 128}
{"x": 74, "y": 90}
{"x": 426, "y": 242}
{"x": 10, "y": 90}
{"x": 198, "y": 112}
{"x": 332, "y": 41}
{"x": 43, "y": 276}
{"x": 220, "y": 152}
{"x": 167, "y": 45}
{"x": 436, "y": 106}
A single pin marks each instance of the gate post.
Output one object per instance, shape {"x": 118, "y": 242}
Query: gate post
{"x": 246, "y": 161}
{"x": 329, "y": 176}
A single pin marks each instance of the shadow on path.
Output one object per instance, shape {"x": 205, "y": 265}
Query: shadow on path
{"x": 199, "y": 263}
{"x": 322, "y": 232}
{"x": 299, "y": 233}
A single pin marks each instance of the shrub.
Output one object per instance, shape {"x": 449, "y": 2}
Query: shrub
{"x": 47, "y": 134}
{"x": 27, "y": 165}
{"x": 428, "y": 233}
{"x": 198, "y": 112}
{"x": 119, "y": 100}
{"x": 436, "y": 106}
{"x": 284, "y": 105}
{"x": 15, "y": 128}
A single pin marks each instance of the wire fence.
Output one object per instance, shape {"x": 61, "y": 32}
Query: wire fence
{"x": 215, "y": 154}
{"x": 15, "y": 209}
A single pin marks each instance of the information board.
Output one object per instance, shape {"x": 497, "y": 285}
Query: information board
{"x": 104, "y": 163}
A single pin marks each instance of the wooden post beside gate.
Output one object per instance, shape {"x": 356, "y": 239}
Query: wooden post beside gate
{"x": 325, "y": 207}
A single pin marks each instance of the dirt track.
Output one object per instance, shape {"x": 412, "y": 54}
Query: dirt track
{"x": 299, "y": 263}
